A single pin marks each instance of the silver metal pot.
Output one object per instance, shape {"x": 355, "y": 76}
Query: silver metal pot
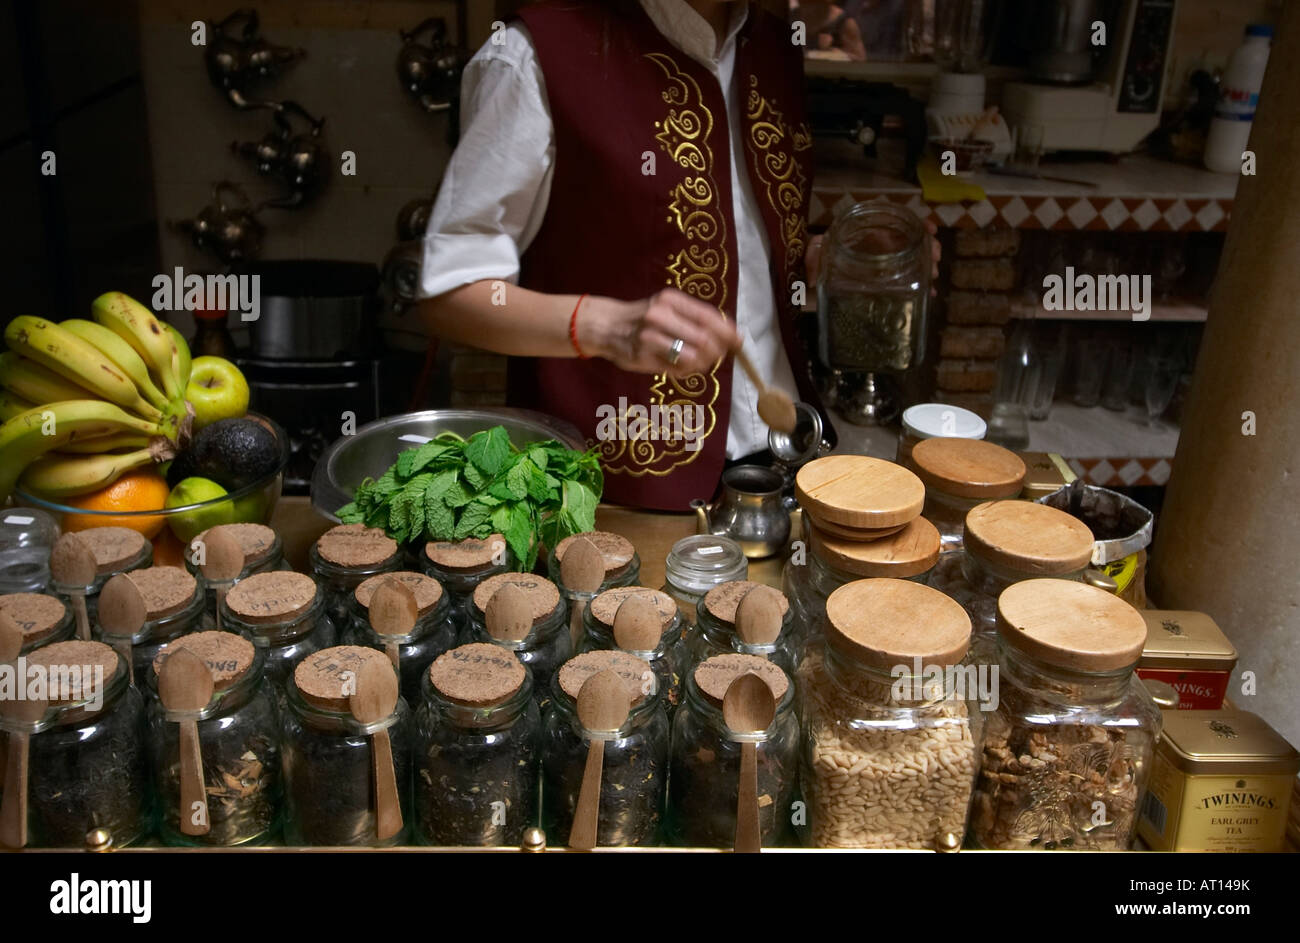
{"x": 314, "y": 309}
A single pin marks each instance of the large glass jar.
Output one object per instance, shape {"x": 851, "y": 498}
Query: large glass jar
{"x": 546, "y": 646}
{"x": 704, "y": 769}
{"x": 622, "y": 568}
{"x": 668, "y": 657}
{"x": 329, "y": 776}
{"x": 173, "y": 607}
{"x": 477, "y": 749}
{"x": 715, "y": 628}
{"x": 635, "y": 772}
{"x": 1068, "y": 750}
{"x": 239, "y": 742}
{"x": 263, "y": 552}
{"x": 434, "y": 631}
{"x": 87, "y": 763}
{"x": 44, "y": 619}
{"x": 928, "y": 420}
{"x": 697, "y": 564}
{"x": 344, "y": 556}
{"x": 283, "y": 613}
{"x": 892, "y": 728}
{"x": 960, "y": 474}
{"x": 460, "y": 565}
{"x": 116, "y": 550}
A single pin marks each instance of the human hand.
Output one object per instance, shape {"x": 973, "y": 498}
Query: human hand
{"x": 638, "y": 335}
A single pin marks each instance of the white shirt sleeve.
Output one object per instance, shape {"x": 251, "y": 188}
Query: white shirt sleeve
{"x": 496, "y": 187}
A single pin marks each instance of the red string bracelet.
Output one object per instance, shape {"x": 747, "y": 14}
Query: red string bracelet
{"x": 573, "y": 328}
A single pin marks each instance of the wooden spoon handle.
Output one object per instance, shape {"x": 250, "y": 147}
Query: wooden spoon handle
{"x": 194, "y": 797}
{"x": 388, "y": 811}
{"x": 394, "y": 655}
{"x": 13, "y": 815}
{"x": 221, "y": 599}
{"x": 83, "y": 618}
{"x": 747, "y": 365}
{"x": 748, "y": 839}
{"x": 122, "y": 645}
{"x": 575, "y": 623}
{"x": 586, "y": 816}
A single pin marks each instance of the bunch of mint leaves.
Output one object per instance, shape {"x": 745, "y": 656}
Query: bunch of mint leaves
{"x": 451, "y": 488}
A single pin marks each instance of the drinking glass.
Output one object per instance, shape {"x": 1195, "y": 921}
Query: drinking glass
{"x": 1163, "y": 374}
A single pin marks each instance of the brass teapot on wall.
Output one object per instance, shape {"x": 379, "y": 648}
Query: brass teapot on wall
{"x": 298, "y": 159}
{"x": 237, "y": 58}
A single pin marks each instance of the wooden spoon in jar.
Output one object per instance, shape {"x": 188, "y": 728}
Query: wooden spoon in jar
{"x": 758, "y": 617}
{"x": 393, "y": 612}
{"x": 223, "y": 561}
{"x": 185, "y": 686}
{"x": 603, "y": 706}
{"x": 11, "y": 646}
{"x": 13, "y": 814}
{"x": 582, "y": 571}
{"x": 508, "y": 616}
{"x": 774, "y": 406}
{"x": 122, "y": 613}
{"x": 637, "y": 625}
{"x": 748, "y": 708}
{"x": 375, "y": 699}
{"x": 72, "y": 563}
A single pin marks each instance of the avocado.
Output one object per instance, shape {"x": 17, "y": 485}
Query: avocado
{"x": 232, "y": 452}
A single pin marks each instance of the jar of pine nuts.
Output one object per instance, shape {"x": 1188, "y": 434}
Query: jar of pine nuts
{"x": 892, "y": 730}
{"x": 959, "y": 474}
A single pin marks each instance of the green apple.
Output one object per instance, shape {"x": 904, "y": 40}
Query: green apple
{"x": 217, "y": 390}
{"x": 195, "y": 491}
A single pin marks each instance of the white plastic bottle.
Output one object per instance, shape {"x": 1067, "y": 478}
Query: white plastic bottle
{"x": 1238, "y": 96}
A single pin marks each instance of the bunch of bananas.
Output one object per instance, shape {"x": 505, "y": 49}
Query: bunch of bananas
{"x": 83, "y": 401}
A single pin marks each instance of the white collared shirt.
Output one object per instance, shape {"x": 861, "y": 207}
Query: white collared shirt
{"x": 497, "y": 184}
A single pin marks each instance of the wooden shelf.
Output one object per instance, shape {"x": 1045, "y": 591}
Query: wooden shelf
{"x": 1187, "y": 312}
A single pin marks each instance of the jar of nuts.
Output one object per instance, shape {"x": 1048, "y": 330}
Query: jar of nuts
{"x": 892, "y": 733}
{"x": 959, "y": 474}
{"x": 1067, "y": 752}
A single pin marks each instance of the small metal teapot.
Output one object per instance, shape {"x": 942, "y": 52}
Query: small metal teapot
{"x": 750, "y": 511}
{"x": 238, "y": 58}
{"x": 430, "y": 72}
{"x": 231, "y": 232}
{"x": 297, "y": 159}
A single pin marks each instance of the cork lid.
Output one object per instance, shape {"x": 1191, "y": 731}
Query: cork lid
{"x": 858, "y": 491}
{"x": 265, "y": 598}
{"x": 635, "y": 671}
{"x": 605, "y": 606}
{"x": 228, "y": 656}
{"x": 1028, "y": 537}
{"x": 166, "y": 590}
{"x": 889, "y": 622}
{"x": 255, "y": 540}
{"x": 1227, "y": 742}
{"x": 77, "y": 685}
{"x": 113, "y": 547}
{"x": 327, "y": 678}
{"x": 722, "y": 600}
{"x": 1182, "y": 639}
{"x": 968, "y": 468}
{"x": 477, "y": 675}
{"x": 472, "y": 553}
{"x": 714, "y": 675}
{"x": 542, "y": 595}
{"x": 1070, "y": 625}
{"x": 426, "y": 589}
{"x": 36, "y": 614}
{"x": 617, "y": 550}
{"x": 910, "y": 551}
{"x": 356, "y": 545}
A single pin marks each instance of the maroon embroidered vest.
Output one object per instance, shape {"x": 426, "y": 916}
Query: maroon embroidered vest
{"x": 619, "y": 94}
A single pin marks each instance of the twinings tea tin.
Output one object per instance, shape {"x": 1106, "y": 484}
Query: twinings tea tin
{"x": 1189, "y": 651}
{"x": 1220, "y": 781}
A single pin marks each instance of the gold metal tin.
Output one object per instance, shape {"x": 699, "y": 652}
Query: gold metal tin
{"x": 1045, "y": 473}
{"x": 1185, "y": 640}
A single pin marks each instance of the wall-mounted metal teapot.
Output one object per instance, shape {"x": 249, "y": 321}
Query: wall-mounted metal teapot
{"x": 238, "y": 58}
{"x": 229, "y": 230}
{"x": 300, "y": 160}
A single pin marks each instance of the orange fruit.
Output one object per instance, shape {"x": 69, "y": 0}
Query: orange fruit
{"x": 140, "y": 490}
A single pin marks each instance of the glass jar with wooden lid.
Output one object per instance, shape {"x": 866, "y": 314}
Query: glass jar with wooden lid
{"x": 477, "y": 749}
{"x": 635, "y": 773}
{"x": 698, "y": 563}
{"x": 654, "y": 633}
{"x": 173, "y": 606}
{"x": 716, "y": 631}
{"x": 43, "y": 618}
{"x": 282, "y": 612}
{"x": 263, "y": 552}
{"x": 958, "y": 475}
{"x": 931, "y": 420}
{"x": 345, "y": 555}
{"x": 540, "y": 638}
{"x": 460, "y": 565}
{"x": 239, "y": 744}
{"x": 891, "y": 719}
{"x": 857, "y": 497}
{"x": 1188, "y": 651}
{"x": 1067, "y": 753}
{"x": 116, "y": 550}
{"x": 332, "y": 759}
{"x": 433, "y": 633}
{"x": 705, "y": 757}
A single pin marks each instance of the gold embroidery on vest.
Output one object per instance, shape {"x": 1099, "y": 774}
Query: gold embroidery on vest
{"x": 777, "y": 170}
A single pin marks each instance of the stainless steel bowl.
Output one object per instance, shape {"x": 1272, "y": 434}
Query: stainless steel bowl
{"x": 370, "y": 451}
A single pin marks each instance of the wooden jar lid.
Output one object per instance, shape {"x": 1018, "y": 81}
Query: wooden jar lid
{"x": 477, "y": 675}
{"x": 323, "y": 677}
{"x": 714, "y": 675}
{"x": 910, "y": 551}
{"x": 112, "y": 547}
{"x": 78, "y": 654}
{"x": 888, "y": 622}
{"x": 356, "y": 546}
{"x": 968, "y": 468}
{"x": 1028, "y": 537}
{"x": 426, "y": 589}
{"x": 266, "y": 598}
{"x": 860, "y": 534}
{"x": 542, "y": 595}
{"x": 472, "y": 553}
{"x": 858, "y": 491}
{"x": 36, "y": 613}
{"x": 722, "y": 600}
{"x": 227, "y": 655}
{"x": 166, "y": 590}
{"x": 615, "y": 548}
{"x": 635, "y": 671}
{"x": 1071, "y": 625}
{"x": 605, "y": 606}
{"x": 255, "y": 540}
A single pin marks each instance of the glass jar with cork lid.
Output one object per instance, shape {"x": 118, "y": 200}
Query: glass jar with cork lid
{"x": 334, "y": 760}
{"x": 698, "y": 563}
{"x": 1067, "y": 752}
{"x": 720, "y": 629}
{"x": 537, "y": 633}
{"x": 282, "y": 612}
{"x": 262, "y": 551}
{"x": 706, "y": 757}
{"x": 650, "y": 628}
{"x": 173, "y": 606}
{"x": 958, "y": 475}
{"x": 432, "y": 633}
{"x": 635, "y": 772}
{"x": 345, "y": 555}
{"x": 44, "y": 619}
{"x": 477, "y": 749}
{"x": 238, "y": 736}
{"x": 582, "y": 577}
{"x": 460, "y": 565}
{"x": 893, "y": 730}
{"x": 116, "y": 550}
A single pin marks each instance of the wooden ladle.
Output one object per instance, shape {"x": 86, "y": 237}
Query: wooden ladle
{"x": 393, "y": 612}
{"x": 637, "y": 625}
{"x": 375, "y": 699}
{"x": 185, "y": 686}
{"x": 748, "y": 708}
{"x": 72, "y": 563}
{"x": 122, "y": 613}
{"x": 774, "y": 406}
{"x": 603, "y": 705}
{"x": 582, "y": 571}
{"x": 223, "y": 561}
{"x": 508, "y": 616}
{"x": 758, "y": 617}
